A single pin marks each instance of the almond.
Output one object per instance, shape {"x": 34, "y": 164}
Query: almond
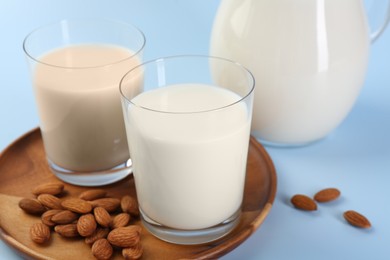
{"x": 31, "y": 206}
{"x": 327, "y": 195}
{"x": 125, "y": 236}
{"x": 50, "y": 201}
{"x": 48, "y": 188}
{"x": 40, "y": 233}
{"x": 68, "y": 230}
{"x": 93, "y": 194}
{"x": 129, "y": 205}
{"x": 110, "y": 204}
{"x": 356, "y": 219}
{"x": 121, "y": 220}
{"x": 46, "y": 217}
{"x": 102, "y": 249}
{"x": 102, "y": 216}
{"x": 134, "y": 252}
{"x": 98, "y": 234}
{"x": 77, "y": 205}
{"x": 64, "y": 217}
{"x": 86, "y": 225}
{"x": 303, "y": 202}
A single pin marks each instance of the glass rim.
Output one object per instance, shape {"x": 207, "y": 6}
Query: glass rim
{"x": 34, "y": 58}
{"x": 239, "y": 65}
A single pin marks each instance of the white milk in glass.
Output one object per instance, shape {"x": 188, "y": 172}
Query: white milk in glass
{"x": 79, "y": 105}
{"x": 308, "y": 57}
{"x": 189, "y": 168}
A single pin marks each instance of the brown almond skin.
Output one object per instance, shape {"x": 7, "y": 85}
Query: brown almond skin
{"x": 64, "y": 217}
{"x": 40, "y": 233}
{"x": 356, "y": 219}
{"x": 98, "y": 234}
{"x": 130, "y": 205}
{"x": 120, "y": 220}
{"x": 46, "y": 217}
{"x": 110, "y": 204}
{"x": 68, "y": 230}
{"x": 93, "y": 194}
{"x": 327, "y": 195}
{"x": 48, "y": 188}
{"x": 77, "y": 205}
{"x": 102, "y": 216}
{"x": 125, "y": 236}
{"x": 102, "y": 249}
{"x": 50, "y": 201}
{"x": 303, "y": 202}
{"x": 32, "y": 206}
{"x": 86, "y": 225}
{"x": 134, "y": 252}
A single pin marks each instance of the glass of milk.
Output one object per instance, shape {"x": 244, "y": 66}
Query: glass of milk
{"x": 188, "y": 134}
{"x": 76, "y": 66}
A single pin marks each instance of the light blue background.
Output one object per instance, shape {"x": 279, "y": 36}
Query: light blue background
{"x": 355, "y": 158}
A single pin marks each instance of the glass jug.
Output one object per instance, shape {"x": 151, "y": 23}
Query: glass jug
{"x": 309, "y": 59}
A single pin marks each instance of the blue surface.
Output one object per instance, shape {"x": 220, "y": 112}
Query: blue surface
{"x": 355, "y": 158}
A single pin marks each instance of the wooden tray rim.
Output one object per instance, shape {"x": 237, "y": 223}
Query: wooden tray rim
{"x": 211, "y": 253}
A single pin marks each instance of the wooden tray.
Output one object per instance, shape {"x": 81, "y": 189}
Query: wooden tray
{"x": 23, "y": 166}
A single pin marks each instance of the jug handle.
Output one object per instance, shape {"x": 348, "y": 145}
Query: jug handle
{"x": 375, "y": 34}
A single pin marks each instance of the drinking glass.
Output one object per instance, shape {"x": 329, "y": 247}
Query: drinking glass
{"x": 188, "y": 134}
{"x": 76, "y": 66}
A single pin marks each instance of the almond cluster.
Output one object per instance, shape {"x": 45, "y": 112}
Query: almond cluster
{"x": 304, "y": 202}
{"x": 103, "y": 222}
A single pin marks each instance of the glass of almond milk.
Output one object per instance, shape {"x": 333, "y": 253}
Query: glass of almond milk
{"x": 76, "y": 66}
{"x": 188, "y": 133}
